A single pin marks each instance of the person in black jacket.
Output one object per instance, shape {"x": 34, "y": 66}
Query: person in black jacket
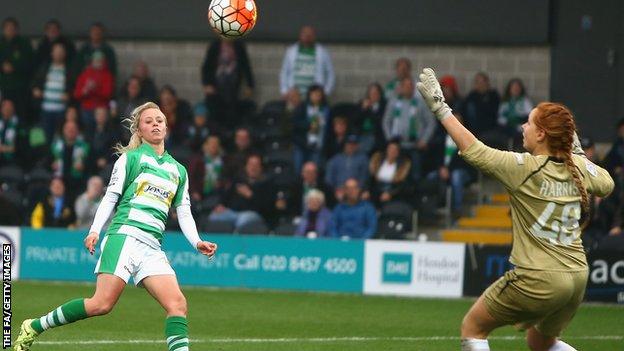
{"x": 453, "y": 170}
{"x": 369, "y": 117}
{"x": 480, "y": 108}
{"x": 309, "y": 180}
{"x": 227, "y": 69}
{"x": 52, "y": 35}
{"x": 248, "y": 199}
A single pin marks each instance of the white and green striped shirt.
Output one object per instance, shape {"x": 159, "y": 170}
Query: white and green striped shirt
{"x": 54, "y": 89}
{"x": 148, "y": 186}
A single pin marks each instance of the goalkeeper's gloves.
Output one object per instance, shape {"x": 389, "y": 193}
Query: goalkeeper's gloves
{"x": 431, "y": 91}
{"x": 577, "y": 149}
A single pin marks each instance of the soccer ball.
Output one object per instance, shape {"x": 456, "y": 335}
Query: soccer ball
{"x": 232, "y": 18}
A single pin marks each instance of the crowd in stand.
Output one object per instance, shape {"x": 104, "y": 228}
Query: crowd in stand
{"x": 298, "y": 164}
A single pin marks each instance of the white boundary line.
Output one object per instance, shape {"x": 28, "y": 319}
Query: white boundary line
{"x": 314, "y": 340}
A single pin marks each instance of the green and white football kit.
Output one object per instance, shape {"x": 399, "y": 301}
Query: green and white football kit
{"x": 143, "y": 187}
{"x": 147, "y": 186}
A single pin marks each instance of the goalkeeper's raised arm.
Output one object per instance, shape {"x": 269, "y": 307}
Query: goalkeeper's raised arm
{"x": 431, "y": 91}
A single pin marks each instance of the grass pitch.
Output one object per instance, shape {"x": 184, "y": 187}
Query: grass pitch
{"x": 244, "y": 320}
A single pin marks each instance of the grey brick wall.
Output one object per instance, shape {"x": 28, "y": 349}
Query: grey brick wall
{"x": 178, "y": 63}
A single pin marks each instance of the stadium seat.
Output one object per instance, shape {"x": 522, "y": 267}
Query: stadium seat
{"x": 254, "y": 227}
{"x": 13, "y": 176}
{"x": 346, "y": 109}
{"x": 392, "y": 227}
{"x": 286, "y": 229}
{"x": 215, "y": 227}
{"x": 39, "y": 175}
{"x": 273, "y": 107}
{"x": 15, "y": 197}
{"x": 398, "y": 209}
{"x": 283, "y": 176}
{"x": 279, "y": 156}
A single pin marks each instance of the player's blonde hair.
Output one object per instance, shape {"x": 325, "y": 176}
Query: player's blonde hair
{"x": 132, "y": 123}
{"x": 558, "y": 123}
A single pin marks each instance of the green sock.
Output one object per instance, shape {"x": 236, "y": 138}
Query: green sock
{"x": 176, "y": 332}
{"x": 69, "y": 312}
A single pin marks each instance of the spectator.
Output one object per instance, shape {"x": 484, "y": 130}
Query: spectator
{"x": 309, "y": 180}
{"x": 236, "y": 159}
{"x": 87, "y": 203}
{"x": 349, "y": 164}
{"x": 353, "y": 218}
{"x": 69, "y": 158}
{"x": 336, "y": 141}
{"x": 437, "y": 144}
{"x": 452, "y": 169}
{"x": 403, "y": 70}
{"x": 200, "y": 129}
{"x": 480, "y": 108}
{"x": 106, "y": 136}
{"x": 614, "y": 161}
{"x": 52, "y": 88}
{"x": 94, "y": 88}
{"x": 407, "y": 117}
{"x": 97, "y": 44}
{"x": 316, "y": 216}
{"x": 10, "y": 213}
{"x": 9, "y": 124}
{"x": 514, "y": 110}
{"x": 16, "y": 59}
{"x": 311, "y": 122}
{"x": 130, "y": 97}
{"x": 389, "y": 172}
{"x": 205, "y": 169}
{"x": 248, "y": 199}
{"x": 148, "y": 90}
{"x": 71, "y": 115}
{"x": 178, "y": 113}
{"x": 226, "y": 67}
{"x": 292, "y": 101}
{"x": 368, "y": 122}
{"x": 306, "y": 63}
{"x": 52, "y": 35}
{"x": 55, "y": 210}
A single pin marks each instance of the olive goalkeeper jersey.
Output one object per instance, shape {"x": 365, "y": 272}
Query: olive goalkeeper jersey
{"x": 545, "y": 204}
{"x": 148, "y": 186}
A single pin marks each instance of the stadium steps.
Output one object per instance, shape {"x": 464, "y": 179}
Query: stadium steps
{"x": 485, "y": 222}
{"x": 476, "y": 236}
{"x": 491, "y": 223}
{"x": 491, "y": 211}
{"x": 500, "y": 199}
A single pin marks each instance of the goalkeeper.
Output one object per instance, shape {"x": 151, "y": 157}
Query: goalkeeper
{"x": 145, "y": 182}
{"x": 549, "y": 188}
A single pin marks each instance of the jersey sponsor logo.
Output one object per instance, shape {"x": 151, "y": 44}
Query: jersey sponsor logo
{"x": 152, "y": 191}
{"x": 558, "y": 189}
{"x": 519, "y": 158}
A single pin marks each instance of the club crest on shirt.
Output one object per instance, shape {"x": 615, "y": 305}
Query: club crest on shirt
{"x": 591, "y": 168}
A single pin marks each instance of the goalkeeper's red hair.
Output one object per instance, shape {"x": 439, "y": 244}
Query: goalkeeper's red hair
{"x": 557, "y": 122}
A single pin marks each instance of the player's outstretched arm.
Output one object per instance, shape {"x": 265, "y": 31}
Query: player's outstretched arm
{"x": 189, "y": 229}
{"x": 431, "y": 91}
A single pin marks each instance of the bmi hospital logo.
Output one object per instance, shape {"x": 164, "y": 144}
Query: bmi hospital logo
{"x": 397, "y": 268}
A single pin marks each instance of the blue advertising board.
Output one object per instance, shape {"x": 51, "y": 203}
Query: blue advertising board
{"x": 241, "y": 261}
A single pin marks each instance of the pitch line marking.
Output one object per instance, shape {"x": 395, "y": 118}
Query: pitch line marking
{"x": 313, "y": 340}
